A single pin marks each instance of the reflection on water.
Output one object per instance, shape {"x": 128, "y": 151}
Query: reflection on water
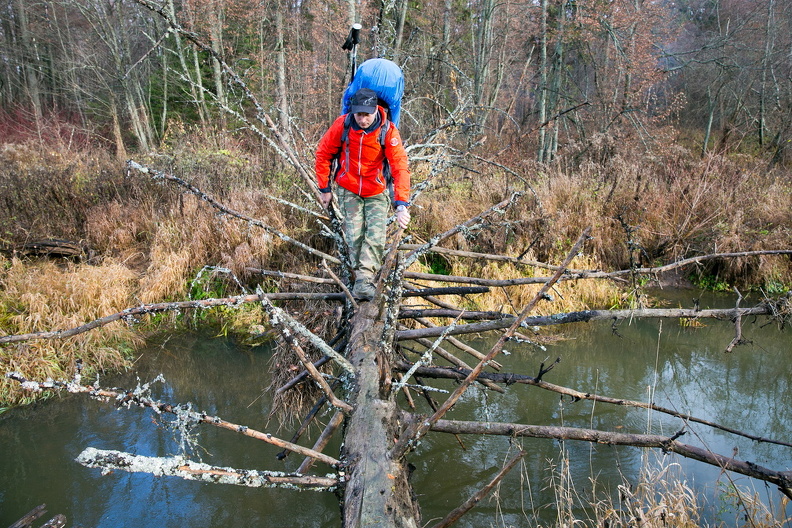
{"x": 39, "y": 446}
{"x": 680, "y": 367}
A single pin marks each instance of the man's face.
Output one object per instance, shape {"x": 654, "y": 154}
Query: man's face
{"x": 365, "y": 120}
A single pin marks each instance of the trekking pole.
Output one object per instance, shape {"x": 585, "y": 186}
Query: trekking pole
{"x": 350, "y": 44}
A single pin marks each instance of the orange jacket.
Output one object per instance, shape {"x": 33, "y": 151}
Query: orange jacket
{"x": 361, "y": 160}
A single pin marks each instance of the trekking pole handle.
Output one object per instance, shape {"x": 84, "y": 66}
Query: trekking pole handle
{"x": 353, "y": 39}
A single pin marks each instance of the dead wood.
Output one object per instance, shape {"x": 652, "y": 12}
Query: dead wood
{"x": 51, "y": 247}
{"x": 413, "y": 255}
{"x": 321, "y": 442}
{"x": 597, "y": 274}
{"x": 30, "y": 517}
{"x": 591, "y": 315}
{"x": 454, "y": 360}
{"x": 459, "y": 344}
{"x": 295, "y": 276}
{"x": 159, "y": 175}
{"x": 738, "y": 339}
{"x": 377, "y": 492}
{"x": 280, "y": 320}
{"x": 468, "y": 315}
{"x": 782, "y": 479}
{"x": 108, "y": 460}
{"x": 575, "y": 395}
{"x": 130, "y": 315}
{"x": 304, "y": 425}
{"x": 414, "y": 432}
{"x": 455, "y": 514}
{"x": 59, "y": 521}
{"x": 138, "y": 398}
{"x": 492, "y": 283}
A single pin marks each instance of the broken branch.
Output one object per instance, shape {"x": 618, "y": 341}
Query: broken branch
{"x": 108, "y": 460}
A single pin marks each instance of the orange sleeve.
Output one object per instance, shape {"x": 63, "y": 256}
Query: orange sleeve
{"x": 397, "y": 158}
{"x": 329, "y": 147}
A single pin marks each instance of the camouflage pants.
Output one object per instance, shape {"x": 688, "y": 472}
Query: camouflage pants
{"x": 364, "y": 229}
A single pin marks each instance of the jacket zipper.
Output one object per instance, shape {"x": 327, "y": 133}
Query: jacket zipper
{"x": 360, "y": 164}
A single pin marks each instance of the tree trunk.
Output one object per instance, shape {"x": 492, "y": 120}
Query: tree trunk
{"x": 378, "y": 492}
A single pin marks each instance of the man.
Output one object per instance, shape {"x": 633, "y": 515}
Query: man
{"x": 356, "y": 140}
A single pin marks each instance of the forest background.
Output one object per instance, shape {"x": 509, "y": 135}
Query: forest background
{"x": 663, "y": 125}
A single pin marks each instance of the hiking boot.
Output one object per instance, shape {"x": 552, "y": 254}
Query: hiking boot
{"x": 363, "y": 290}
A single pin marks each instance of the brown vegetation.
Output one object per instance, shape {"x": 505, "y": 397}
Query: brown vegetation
{"x": 149, "y": 242}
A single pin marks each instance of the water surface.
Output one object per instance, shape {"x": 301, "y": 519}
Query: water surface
{"x": 679, "y": 367}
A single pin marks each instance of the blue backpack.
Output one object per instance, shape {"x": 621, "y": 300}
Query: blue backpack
{"x": 387, "y": 81}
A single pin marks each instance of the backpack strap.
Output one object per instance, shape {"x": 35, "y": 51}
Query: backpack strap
{"x": 348, "y": 123}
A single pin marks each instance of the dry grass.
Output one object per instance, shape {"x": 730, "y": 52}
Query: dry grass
{"x": 44, "y": 296}
{"x": 151, "y": 240}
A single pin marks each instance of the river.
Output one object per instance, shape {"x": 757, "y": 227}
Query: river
{"x": 678, "y": 366}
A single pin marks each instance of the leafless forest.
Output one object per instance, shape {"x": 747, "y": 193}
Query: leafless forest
{"x": 526, "y": 80}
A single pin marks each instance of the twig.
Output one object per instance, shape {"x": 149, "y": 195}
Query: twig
{"x": 455, "y": 514}
{"x": 738, "y": 340}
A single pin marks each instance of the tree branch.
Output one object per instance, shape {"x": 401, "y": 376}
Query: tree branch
{"x": 455, "y": 514}
{"x": 783, "y": 479}
{"x": 509, "y": 379}
{"x": 587, "y": 316}
{"x": 137, "y": 397}
{"x": 159, "y": 175}
{"x": 414, "y": 433}
{"x": 108, "y": 460}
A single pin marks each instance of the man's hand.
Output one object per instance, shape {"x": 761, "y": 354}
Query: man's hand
{"x": 402, "y": 216}
{"x": 326, "y": 198}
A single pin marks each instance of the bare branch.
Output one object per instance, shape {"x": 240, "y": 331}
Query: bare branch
{"x": 590, "y": 315}
{"x": 286, "y": 275}
{"x": 738, "y": 340}
{"x": 509, "y": 379}
{"x": 455, "y": 514}
{"x": 137, "y": 398}
{"x": 420, "y": 250}
{"x": 415, "y": 432}
{"x": 324, "y": 439}
{"x": 783, "y": 479}
{"x": 595, "y": 274}
{"x": 159, "y": 175}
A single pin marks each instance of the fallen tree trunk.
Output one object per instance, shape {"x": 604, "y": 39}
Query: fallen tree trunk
{"x": 377, "y": 492}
